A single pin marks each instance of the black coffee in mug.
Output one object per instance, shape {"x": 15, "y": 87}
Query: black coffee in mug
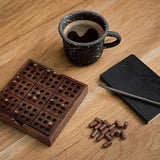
{"x": 83, "y": 34}
{"x": 83, "y": 31}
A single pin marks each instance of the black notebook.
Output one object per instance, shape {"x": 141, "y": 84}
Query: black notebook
{"x": 133, "y": 76}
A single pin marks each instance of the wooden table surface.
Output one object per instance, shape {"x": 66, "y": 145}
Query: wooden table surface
{"x": 29, "y": 29}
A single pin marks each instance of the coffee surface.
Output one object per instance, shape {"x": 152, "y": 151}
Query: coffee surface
{"x": 89, "y": 36}
{"x": 83, "y": 31}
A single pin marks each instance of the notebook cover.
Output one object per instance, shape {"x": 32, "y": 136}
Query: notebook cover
{"x": 133, "y": 76}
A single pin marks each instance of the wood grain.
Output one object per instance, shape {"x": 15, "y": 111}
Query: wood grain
{"x": 29, "y": 29}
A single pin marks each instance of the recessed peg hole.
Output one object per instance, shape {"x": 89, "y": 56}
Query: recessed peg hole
{"x": 75, "y": 91}
{"x": 72, "y": 84}
{"x": 55, "y": 97}
{"x": 21, "y": 93}
{"x": 64, "y": 86}
{"x": 42, "y": 81}
{"x": 48, "y": 107}
{"x": 28, "y": 84}
{"x": 52, "y": 86}
{"x": 25, "y": 112}
{"x": 40, "y": 102}
{"x": 41, "y": 127}
{"x": 15, "y": 100}
{"x": 23, "y": 104}
{"x": 44, "y": 122}
{"x": 42, "y": 91}
{"x": 71, "y": 95}
{"x": 43, "y": 98}
{"x": 16, "y": 90}
{"x": 20, "y": 86}
{"x": 23, "y": 82}
{"x": 32, "y": 71}
{"x": 34, "y": 110}
{"x": 20, "y": 109}
{"x": 56, "y": 82}
{"x": 47, "y": 84}
{"x": 5, "y": 95}
{"x": 77, "y": 87}
{"x": 36, "y": 124}
{"x": 60, "y": 112}
{"x": 22, "y": 117}
{"x": 8, "y": 109}
{"x": 37, "y": 73}
{"x": 57, "y": 104}
{"x": 31, "y": 64}
{"x": 43, "y": 114}
{"x": 66, "y": 93}
{"x": 27, "y": 119}
{"x": 29, "y": 107}
{"x": 53, "y": 75}
{"x": 46, "y": 129}
{"x": 11, "y": 105}
{"x": 50, "y": 79}
{"x": 27, "y": 69}
{"x": 31, "y": 114}
{"x": 67, "y": 82}
{"x": 39, "y": 119}
{"x": 3, "y": 106}
{"x": 66, "y": 103}
{"x": 1, "y": 100}
{"x": 54, "y": 120}
{"x": 48, "y": 117}
{"x": 60, "y": 100}
{"x": 25, "y": 89}
{"x": 54, "y": 109}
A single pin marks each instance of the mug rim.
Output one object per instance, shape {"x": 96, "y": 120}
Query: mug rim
{"x": 78, "y": 43}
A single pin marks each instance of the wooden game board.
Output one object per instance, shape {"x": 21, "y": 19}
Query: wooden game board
{"x": 39, "y": 102}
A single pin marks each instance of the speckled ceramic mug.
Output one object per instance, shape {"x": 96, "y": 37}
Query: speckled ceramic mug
{"x": 83, "y": 52}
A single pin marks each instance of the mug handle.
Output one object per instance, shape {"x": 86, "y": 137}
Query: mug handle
{"x": 116, "y": 42}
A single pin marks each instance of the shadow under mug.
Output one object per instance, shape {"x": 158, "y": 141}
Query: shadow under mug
{"x": 86, "y": 53}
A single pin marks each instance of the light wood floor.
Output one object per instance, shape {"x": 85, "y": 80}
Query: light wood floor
{"x": 29, "y": 29}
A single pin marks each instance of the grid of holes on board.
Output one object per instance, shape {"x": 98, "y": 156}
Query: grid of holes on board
{"x": 25, "y": 112}
{"x": 45, "y": 122}
{"x": 69, "y": 89}
{"x": 57, "y": 105}
{"x": 33, "y": 71}
{"x": 38, "y": 95}
{"x": 8, "y": 102}
{"x": 50, "y": 80}
{"x": 19, "y": 86}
